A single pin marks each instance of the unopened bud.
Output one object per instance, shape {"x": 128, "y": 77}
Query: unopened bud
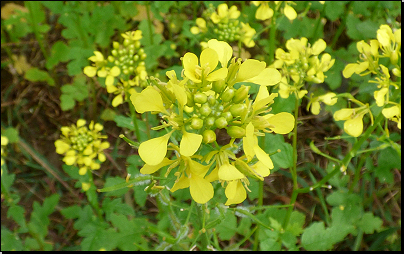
{"x": 227, "y": 115}
{"x": 196, "y": 123}
{"x": 200, "y": 98}
{"x": 228, "y": 95}
{"x": 218, "y": 86}
{"x": 221, "y": 122}
{"x": 209, "y": 136}
{"x": 241, "y": 94}
{"x": 236, "y": 131}
{"x": 237, "y": 109}
{"x": 205, "y": 110}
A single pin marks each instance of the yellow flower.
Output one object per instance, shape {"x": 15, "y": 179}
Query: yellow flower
{"x": 315, "y": 102}
{"x": 394, "y": 114}
{"x": 154, "y": 150}
{"x": 390, "y": 43}
{"x": 353, "y": 124}
{"x": 193, "y": 177}
{"x": 247, "y": 33}
{"x": 81, "y": 145}
{"x": 209, "y": 60}
{"x": 251, "y": 148}
{"x": 223, "y": 14}
{"x": 264, "y": 11}
{"x": 289, "y": 12}
{"x": 148, "y": 100}
{"x": 235, "y": 192}
{"x": 200, "y": 28}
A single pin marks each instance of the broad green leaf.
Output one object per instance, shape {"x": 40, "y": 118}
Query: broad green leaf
{"x": 10, "y": 241}
{"x": 370, "y": 223}
{"x": 12, "y": 134}
{"x": 35, "y": 74}
{"x": 227, "y": 229}
{"x": 59, "y": 53}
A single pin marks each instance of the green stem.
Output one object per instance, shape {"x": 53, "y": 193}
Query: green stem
{"x": 149, "y": 22}
{"x": 92, "y": 195}
{"x": 272, "y": 35}
{"x": 294, "y": 171}
{"x": 205, "y": 238}
{"x": 134, "y": 118}
{"x": 35, "y": 29}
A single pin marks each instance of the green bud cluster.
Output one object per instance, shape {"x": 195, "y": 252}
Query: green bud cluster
{"x": 218, "y": 108}
{"x": 128, "y": 56}
{"x": 228, "y": 31}
{"x": 81, "y": 139}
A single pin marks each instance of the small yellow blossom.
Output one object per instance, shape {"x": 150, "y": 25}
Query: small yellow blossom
{"x": 353, "y": 124}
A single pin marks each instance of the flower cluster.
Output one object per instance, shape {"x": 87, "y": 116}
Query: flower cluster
{"x": 126, "y": 61}
{"x": 82, "y": 146}
{"x": 224, "y": 24}
{"x": 387, "y": 45}
{"x": 210, "y": 104}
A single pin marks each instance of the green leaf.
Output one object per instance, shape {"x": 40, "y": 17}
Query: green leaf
{"x": 334, "y": 10}
{"x": 17, "y": 213}
{"x": 108, "y": 114}
{"x": 227, "y": 229}
{"x": 388, "y": 159}
{"x": 124, "y": 122}
{"x": 60, "y": 52}
{"x": 67, "y": 102}
{"x": 35, "y": 74}
{"x": 273, "y": 142}
{"x": 10, "y": 241}
{"x": 114, "y": 181}
{"x": 39, "y": 217}
{"x": 316, "y": 237}
{"x": 109, "y": 206}
{"x": 369, "y": 223}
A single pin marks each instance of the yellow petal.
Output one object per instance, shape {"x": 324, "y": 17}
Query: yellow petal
{"x": 391, "y": 112}
{"x": 190, "y": 143}
{"x": 282, "y": 123}
{"x": 264, "y": 12}
{"x": 261, "y": 169}
{"x": 354, "y": 127}
{"x": 268, "y": 77}
{"x": 181, "y": 183}
{"x": 83, "y": 171}
{"x": 201, "y": 190}
{"x": 228, "y": 172}
{"x": 180, "y": 94}
{"x": 209, "y": 59}
{"x": 118, "y": 100}
{"x": 290, "y": 13}
{"x": 263, "y": 157}
{"x": 217, "y": 75}
{"x": 109, "y": 81}
{"x": 235, "y": 193}
{"x": 380, "y": 96}
{"x": 61, "y": 146}
{"x": 154, "y": 150}
{"x": 249, "y": 69}
{"x": 248, "y": 142}
{"x": 85, "y": 186}
{"x": 148, "y": 100}
{"x": 343, "y": 114}
{"x": 90, "y": 71}
{"x": 190, "y": 63}
{"x": 115, "y": 71}
{"x": 315, "y": 108}
{"x": 319, "y": 46}
{"x": 223, "y": 50}
{"x": 150, "y": 169}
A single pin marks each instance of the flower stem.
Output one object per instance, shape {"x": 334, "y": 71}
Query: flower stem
{"x": 92, "y": 195}
{"x": 149, "y": 22}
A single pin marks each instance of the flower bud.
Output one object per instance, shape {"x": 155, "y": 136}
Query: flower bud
{"x": 111, "y": 59}
{"x": 115, "y": 45}
{"x": 210, "y": 121}
{"x": 205, "y": 110}
{"x": 221, "y": 122}
{"x": 228, "y": 95}
{"x": 196, "y": 123}
{"x": 114, "y": 52}
{"x": 227, "y": 115}
{"x": 241, "y": 94}
{"x": 218, "y": 86}
{"x": 209, "y": 136}
{"x": 236, "y": 132}
{"x": 126, "y": 42}
{"x": 237, "y": 109}
{"x": 211, "y": 100}
{"x": 200, "y": 98}
{"x": 396, "y": 72}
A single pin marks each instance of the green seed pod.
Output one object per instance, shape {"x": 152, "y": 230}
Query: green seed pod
{"x": 236, "y": 132}
{"x": 221, "y": 122}
{"x": 228, "y": 95}
{"x": 200, "y": 98}
{"x": 228, "y": 116}
{"x": 218, "y": 86}
{"x": 205, "y": 110}
{"x": 237, "y": 109}
{"x": 241, "y": 94}
{"x": 209, "y": 136}
{"x": 196, "y": 123}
